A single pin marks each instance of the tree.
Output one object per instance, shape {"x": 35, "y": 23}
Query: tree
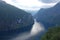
{"x": 52, "y": 34}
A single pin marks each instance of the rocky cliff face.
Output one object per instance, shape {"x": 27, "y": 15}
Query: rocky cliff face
{"x": 13, "y": 20}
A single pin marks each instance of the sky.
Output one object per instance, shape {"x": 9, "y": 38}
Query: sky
{"x": 32, "y": 6}
{"x": 49, "y": 1}
{"x": 29, "y": 5}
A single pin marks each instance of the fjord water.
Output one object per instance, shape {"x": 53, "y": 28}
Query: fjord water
{"x": 36, "y": 28}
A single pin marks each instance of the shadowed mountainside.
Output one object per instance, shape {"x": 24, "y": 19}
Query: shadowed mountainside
{"x": 13, "y": 21}
{"x": 49, "y": 17}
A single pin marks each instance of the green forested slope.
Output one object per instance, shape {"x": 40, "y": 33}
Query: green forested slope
{"x": 52, "y": 34}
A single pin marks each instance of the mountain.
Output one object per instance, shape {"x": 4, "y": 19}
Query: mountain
{"x": 49, "y": 17}
{"x": 32, "y": 12}
{"x": 13, "y": 21}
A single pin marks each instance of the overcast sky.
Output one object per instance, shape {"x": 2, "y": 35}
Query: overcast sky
{"x": 49, "y": 1}
{"x": 31, "y": 5}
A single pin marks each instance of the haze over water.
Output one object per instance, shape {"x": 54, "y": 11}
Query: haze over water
{"x": 37, "y": 27}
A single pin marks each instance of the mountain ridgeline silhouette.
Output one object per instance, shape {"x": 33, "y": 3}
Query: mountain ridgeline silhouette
{"x": 49, "y": 17}
{"x": 13, "y": 21}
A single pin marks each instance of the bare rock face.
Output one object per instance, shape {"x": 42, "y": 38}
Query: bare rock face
{"x": 13, "y": 20}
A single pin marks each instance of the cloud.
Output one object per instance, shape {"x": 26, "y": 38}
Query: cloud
{"x": 31, "y": 5}
{"x": 0, "y": 0}
{"x": 49, "y": 1}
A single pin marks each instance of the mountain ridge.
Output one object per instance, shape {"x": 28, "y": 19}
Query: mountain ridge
{"x": 13, "y": 21}
{"x": 50, "y": 16}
